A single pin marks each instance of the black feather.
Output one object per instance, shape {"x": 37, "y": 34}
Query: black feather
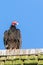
{"x": 12, "y": 38}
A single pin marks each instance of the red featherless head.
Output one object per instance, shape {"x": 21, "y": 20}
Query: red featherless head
{"x": 14, "y": 23}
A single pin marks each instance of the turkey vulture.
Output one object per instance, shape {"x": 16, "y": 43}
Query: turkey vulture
{"x": 12, "y": 37}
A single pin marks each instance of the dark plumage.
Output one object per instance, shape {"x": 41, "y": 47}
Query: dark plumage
{"x": 12, "y": 38}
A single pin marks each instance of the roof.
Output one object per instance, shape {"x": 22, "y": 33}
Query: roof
{"x": 21, "y": 52}
{"x": 21, "y": 57}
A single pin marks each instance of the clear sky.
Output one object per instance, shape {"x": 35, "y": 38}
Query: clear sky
{"x": 29, "y": 14}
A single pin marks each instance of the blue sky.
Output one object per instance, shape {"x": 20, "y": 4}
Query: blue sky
{"x": 29, "y": 14}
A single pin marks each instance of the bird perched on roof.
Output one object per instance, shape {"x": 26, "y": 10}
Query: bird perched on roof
{"x": 12, "y": 37}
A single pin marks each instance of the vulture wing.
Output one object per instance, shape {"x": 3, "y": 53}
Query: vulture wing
{"x": 12, "y": 40}
{"x": 19, "y": 40}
